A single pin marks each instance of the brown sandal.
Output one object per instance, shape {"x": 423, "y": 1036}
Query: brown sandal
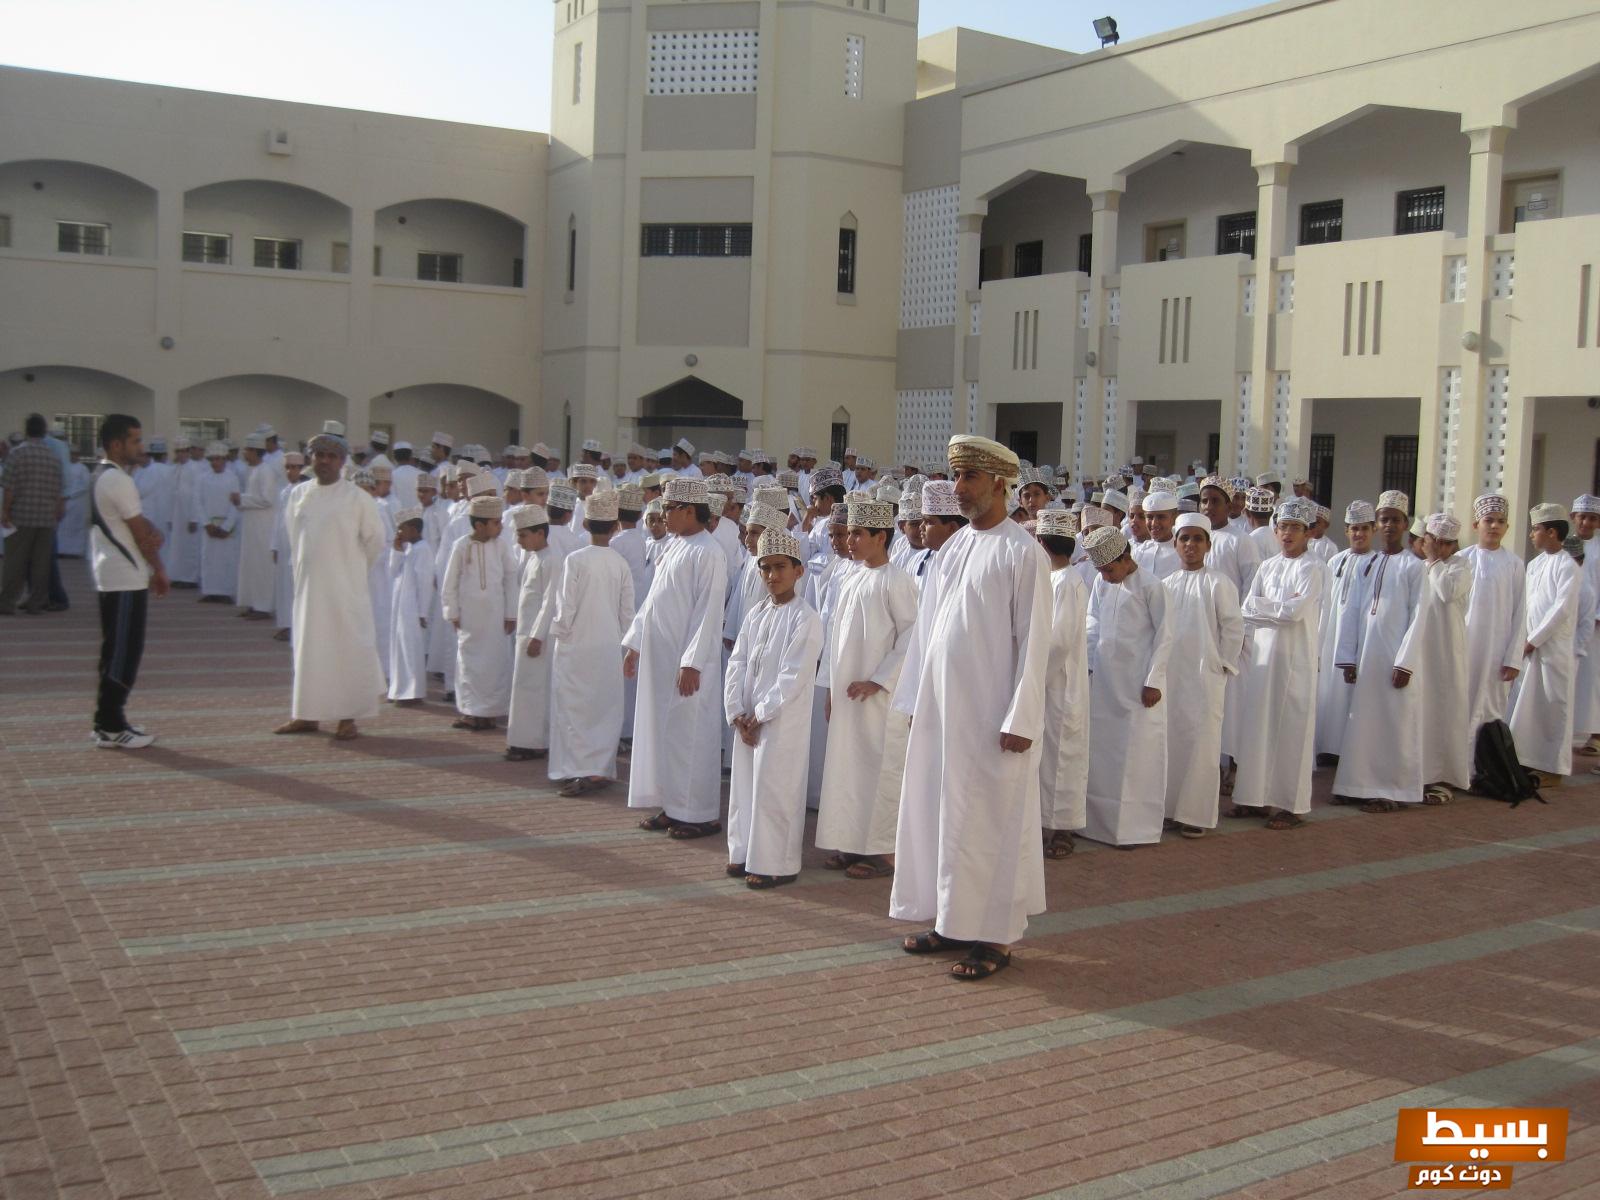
{"x": 659, "y": 823}
{"x": 297, "y": 726}
{"x": 870, "y": 867}
{"x": 1058, "y": 845}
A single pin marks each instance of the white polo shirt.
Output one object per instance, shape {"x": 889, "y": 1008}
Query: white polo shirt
{"x": 116, "y": 499}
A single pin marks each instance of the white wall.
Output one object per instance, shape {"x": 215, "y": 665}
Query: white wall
{"x": 75, "y": 191}
{"x": 59, "y": 391}
{"x": 486, "y": 240}
{"x": 1359, "y": 427}
{"x": 1566, "y": 440}
{"x": 467, "y": 414}
{"x": 295, "y": 408}
{"x": 252, "y": 208}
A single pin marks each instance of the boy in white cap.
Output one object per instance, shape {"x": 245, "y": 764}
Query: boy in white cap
{"x": 1379, "y": 649}
{"x": 410, "y": 564}
{"x": 1446, "y": 754}
{"x": 528, "y": 725}
{"x": 683, "y": 459}
{"x": 1541, "y": 706}
{"x": 1064, "y": 749}
{"x": 1278, "y": 693}
{"x": 1586, "y": 687}
{"x": 283, "y": 561}
{"x": 1159, "y": 556}
{"x": 1496, "y": 616}
{"x": 767, "y": 698}
{"x": 867, "y": 636}
{"x": 674, "y": 648}
{"x": 1207, "y": 640}
{"x": 593, "y": 609}
{"x": 1259, "y": 504}
{"x": 1349, "y": 586}
{"x": 1129, "y": 642}
{"x": 216, "y": 512}
{"x": 479, "y": 597}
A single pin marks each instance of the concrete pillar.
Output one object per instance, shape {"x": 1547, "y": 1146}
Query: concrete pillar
{"x": 1272, "y": 235}
{"x": 1472, "y": 473}
{"x": 1104, "y": 203}
{"x": 969, "y": 246}
{"x": 169, "y": 311}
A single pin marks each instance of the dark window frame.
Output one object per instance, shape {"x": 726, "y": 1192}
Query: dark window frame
{"x": 1319, "y": 219}
{"x": 1086, "y": 253}
{"x": 1236, "y": 233}
{"x": 846, "y": 282}
{"x": 732, "y": 240}
{"x": 1027, "y": 259}
{"x": 572, "y": 258}
{"x": 83, "y": 237}
{"x": 838, "y": 439}
{"x": 273, "y": 249}
{"x": 1419, "y": 210}
{"x": 1400, "y": 463}
{"x": 1320, "y": 474}
{"x": 199, "y": 247}
{"x": 457, "y": 272}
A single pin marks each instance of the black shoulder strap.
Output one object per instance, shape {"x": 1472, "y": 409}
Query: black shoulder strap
{"x": 99, "y": 521}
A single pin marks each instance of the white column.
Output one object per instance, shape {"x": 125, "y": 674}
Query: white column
{"x": 1272, "y": 230}
{"x": 969, "y": 247}
{"x": 1104, "y": 203}
{"x": 1485, "y": 180}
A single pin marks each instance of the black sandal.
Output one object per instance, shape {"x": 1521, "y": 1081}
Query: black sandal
{"x": 931, "y": 942}
{"x": 760, "y": 883}
{"x": 736, "y": 871}
{"x": 685, "y": 830}
{"x": 659, "y": 823}
{"x": 1059, "y": 845}
{"x": 980, "y": 963}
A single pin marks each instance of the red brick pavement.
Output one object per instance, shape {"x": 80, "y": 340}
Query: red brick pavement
{"x": 100, "y": 1095}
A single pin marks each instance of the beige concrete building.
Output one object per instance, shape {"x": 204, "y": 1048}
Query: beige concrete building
{"x": 1344, "y": 238}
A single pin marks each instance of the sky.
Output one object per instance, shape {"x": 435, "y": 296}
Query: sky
{"x": 480, "y": 61}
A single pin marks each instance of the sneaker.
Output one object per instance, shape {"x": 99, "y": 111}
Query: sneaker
{"x": 127, "y": 739}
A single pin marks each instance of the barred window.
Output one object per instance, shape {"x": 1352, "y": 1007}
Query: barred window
{"x": 1323, "y": 222}
{"x": 81, "y": 237}
{"x": 281, "y": 254}
{"x": 1027, "y": 259}
{"x": 847, "y": 261}
{"x": 1400, "y": 464}
{"x": 695, "y": 241}
{"x": 439, "y": 267}
{"x": 1236, "y": 234}
{"x": 207, "y": 247}
{"x": 1419, "y": 211}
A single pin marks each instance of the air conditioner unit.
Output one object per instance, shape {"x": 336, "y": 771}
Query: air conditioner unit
{"x": 278, "y": 142}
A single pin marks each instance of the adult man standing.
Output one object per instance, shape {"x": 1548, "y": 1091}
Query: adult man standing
{"x": 967, "y": 852}
{"x": 32, "y": 507}
{"x": 125, "y": 557}
{"x": 335, "y": 535}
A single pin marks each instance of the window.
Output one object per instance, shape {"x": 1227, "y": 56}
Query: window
{"x": 78, "y": 237}
{"x": 516, "y": 272}
{"x": 572, "y": 254}
{"x": 1400, "y": 464}
{"x": 1086, "y": 252}
{"x": 1024, "y": 443}
{"x": 855, "y": 46}
{"x": 339, "y": 258}
{"x": 201, "y": 430}
{"x": 207, "y": 247}
{"x": 577, "y": 73}
{"x": 279, "y": 253}
{"x": 439, "y": 267}
{"x": 1213, "y": 450}
{"x": 82, "y": 432}
{"x": 1419, "y": 211}
{"x": 1320, "y": 475}
{"x": 695, "y": 241}
{"x": 838, "y": 439}
{"x": 1027, "y": 259}
{"x": 377, "y": 261}
{"x": 1322, "y": 222}
{"x": 847, "y": 262}
{"x": 5, "y": 230}
{"x": 991, "y": 263}
{"x": 1236, "y": 234}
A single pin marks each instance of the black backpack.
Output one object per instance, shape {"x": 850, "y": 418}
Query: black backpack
{"x": 1496, "y": 770}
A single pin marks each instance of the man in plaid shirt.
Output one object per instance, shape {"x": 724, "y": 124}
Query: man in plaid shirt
{"x": 32, "y": 507}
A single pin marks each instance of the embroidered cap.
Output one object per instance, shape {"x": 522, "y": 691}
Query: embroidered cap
{"x": 563, "y": 497}
{"x": 1543, "y": 514}
{"x": 487, "y": 506}
{"x": 1104, "y": 545}
{"x": 526, "y": 516}
{"x": 939, "y": 499}
{"x": 778, "y": 542}
{"x": 1298, "y": 509}
{"x": 969, "y": 452}
{"x": 1360, "y": 512}
{"x": 1443, "y": 525}
{"x": 683, "y": 490}
{"x": 1056, "y": 522}
{"x": 1395, "y": 500}
{"x": 869, "y": 514}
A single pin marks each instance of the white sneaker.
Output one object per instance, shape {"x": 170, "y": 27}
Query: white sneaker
{"x": 128, "y": 739}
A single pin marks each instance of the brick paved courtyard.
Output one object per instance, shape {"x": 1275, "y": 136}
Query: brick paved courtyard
{"x": 250, "y": 966}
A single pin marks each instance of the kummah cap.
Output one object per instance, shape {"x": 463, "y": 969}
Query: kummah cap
{"x": 515, "y": 450}
{"x": 653, "y": 480}
{"x": 1396, "y": 500}
{"x": 1443, "y": 525}
{"x": 825, "y": 477}
{"x": 773, "y": 497}
{"x": 1186, "y": 505}
{"x": 778, "y": 542}
{"x": 869, "y": 514}
{"x": 1104, "y": 545}
{"x": 1188, "y": 491}
{"x": 1586, "y": 504}
{"x": 685, "y": 445}
{"x": 1094, "y": 516}
{"x": 407, "y": 514}
{"x": 789, "y": 480}
{"x": 1163, "y": 485}
{"x": 466, "y": 468}
{"x": 681, "y": 489}
{"x": 837, "y": 515}
{"x": 1193, "y": 521}
{"x": 723, "y": 458}
{"x": 655, "y": 508}
{"x": 764, "y": 516}
{"x": 1056, "y": 522}
{"x": 602, "y": 506}
{"x": 563, "y": 497}
{"x": 378, "y": 437}
{"x": 1034, "y": 475}
{"x": 914, "y": 482}
{"x": 487, "y": 506}
{"x": 362, "y": 477}
{"x": 1239, "y": 484}
{"x": 181, "y": 442}
{"x": 799, "y": 452}
{"x": 397, "y": 445}
{"x": 1418, "y": 527}
{"x": 441, "y": 438}
{"x": 911, "y": 506}
{"x": 293, "y": 458}
{"x": 851, "y": 452}
{"x": 1298, "y": 509}
{"x": 1159, "y": 502}
{"x": 1115, "y": 500}
{"x": 1324, "y": 513}
{"x": 425, "y": 482}
{"x": 220, "y": 449}
{"x": 255, "y": 441}
{"x": 535, "y": 477}
{"x": 592, "y": 445}
{"x": 1267, "y": 477}
{"x": 630, "y": 498}
{"x": 639, "y": 450}
{"x": 1097, "y": 497}
{"x": 1259, "y": 500}
{"x": 334, "y": 427}
{"x": 1543, "y": 514}
{"x": 969, "y": 452}
{"x": 864, "y": 463}
{"x": 323, "y": 441}
{"x": 526, "y": 516}
{"x": 1218, "y": 482}
{"x": 720, "y": 483}
{"x": 1360, "y": 512}
{"x": 583, "y": 471}
{"x": 939, "y": 499}
{"x": 482, "y": 484}
{"x": 887, "y": 492}
{"x": 381, "y": 471}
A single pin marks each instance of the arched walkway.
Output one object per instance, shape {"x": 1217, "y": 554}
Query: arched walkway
{"x": 232, "y": 405}
{"x": 75, "y": 397}
{"x": 468, "y": 414}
